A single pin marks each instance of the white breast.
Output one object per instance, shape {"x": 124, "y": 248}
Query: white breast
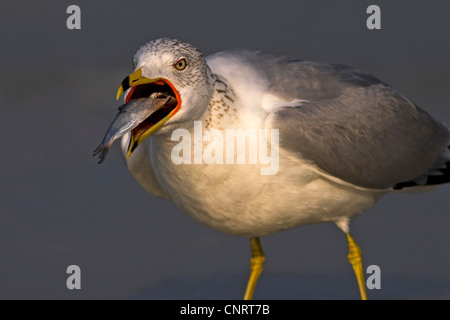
{"x": 237, "y": 199}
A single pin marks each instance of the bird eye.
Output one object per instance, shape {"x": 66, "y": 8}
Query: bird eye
{"x": 181, "y": 64}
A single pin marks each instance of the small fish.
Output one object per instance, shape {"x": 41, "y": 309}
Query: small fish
{"x": 129, "y": 117}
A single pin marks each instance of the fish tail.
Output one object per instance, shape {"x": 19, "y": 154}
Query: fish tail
{"x": 101, "y": 151}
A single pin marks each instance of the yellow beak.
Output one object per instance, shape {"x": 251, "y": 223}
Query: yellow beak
{"x": 133, "y": 80}
{"x": 141, "y": 133}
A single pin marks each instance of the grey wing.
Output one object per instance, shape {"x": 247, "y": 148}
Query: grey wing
{"x": 354, "y": 127}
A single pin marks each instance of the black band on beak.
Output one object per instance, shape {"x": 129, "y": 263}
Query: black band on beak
{"x": 126, "y": 83}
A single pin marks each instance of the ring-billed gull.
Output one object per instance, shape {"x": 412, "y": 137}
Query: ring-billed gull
{"x": 332, "y": 139}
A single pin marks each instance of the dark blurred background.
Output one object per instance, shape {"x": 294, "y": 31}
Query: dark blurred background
{"x": 58, "y": 207}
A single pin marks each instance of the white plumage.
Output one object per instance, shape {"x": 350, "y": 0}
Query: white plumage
{"x": 345, "y": 140}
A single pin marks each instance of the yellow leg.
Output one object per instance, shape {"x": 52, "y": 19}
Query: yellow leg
{"x": 354, "y": 257}
{"x": 256, "y": 266}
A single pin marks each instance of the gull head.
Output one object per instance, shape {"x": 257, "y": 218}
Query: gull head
{"x": 173, "y": 68}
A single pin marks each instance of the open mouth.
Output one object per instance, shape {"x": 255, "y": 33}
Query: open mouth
{"x": 158, "y": 88}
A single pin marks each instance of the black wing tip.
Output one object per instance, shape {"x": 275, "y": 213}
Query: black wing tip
{"x": 432, "y": 180}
